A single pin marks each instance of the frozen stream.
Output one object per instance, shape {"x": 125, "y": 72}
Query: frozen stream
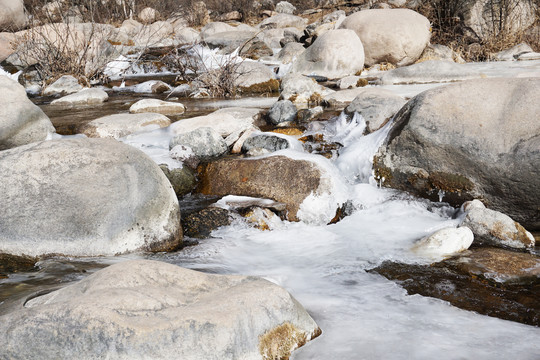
{"x": 362, "y": 315}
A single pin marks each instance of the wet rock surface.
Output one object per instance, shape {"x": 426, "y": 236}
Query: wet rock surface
{"x": 474, "y": 139}
{"x": 126, "y": 202}
{"x": 11, "y": 264}
{"x": 472, "y": 282}
{"x": 278, "y": 178}
{"x": 144, "y": 308}
{"x": 201, "y": 223}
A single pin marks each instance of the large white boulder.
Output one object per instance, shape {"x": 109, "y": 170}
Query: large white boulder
{"x": 475, "y": 139}
{"x": 21, "y": 122}
{"x": 146, "y": 309}
{"x": 84, "y": 197}
{"x": 334, "y": 54}
{"x": 12, "y": 16}
{"x": 120, "y": 125}
{"x": 396, "y": 36}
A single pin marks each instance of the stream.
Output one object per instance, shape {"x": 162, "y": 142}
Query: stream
{"x": 362, "y": 315}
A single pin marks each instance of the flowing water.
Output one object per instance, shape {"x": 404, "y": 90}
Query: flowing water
{"x": 362, "y": 315}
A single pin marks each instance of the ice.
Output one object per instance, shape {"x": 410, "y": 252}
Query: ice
{"x": 362, "y": 315}
{"x": 117, "y": 68}
{"x": 9, "y": 75}
{"x": 356, "y": 160}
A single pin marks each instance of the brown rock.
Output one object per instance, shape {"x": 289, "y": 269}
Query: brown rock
{"x": 471, "y": 289}
{"x": 12, "y": 263}
{"x": 278, "y": 178}
{"x": 499, "y": 264}
{"x": 201, "y": 223}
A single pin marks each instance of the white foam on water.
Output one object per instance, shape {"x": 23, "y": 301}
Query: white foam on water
{"x": 362, "y": 315}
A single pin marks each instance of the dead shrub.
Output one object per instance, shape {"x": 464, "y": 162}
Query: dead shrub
{"x": 218, "y": 74}
{"x": 447, "y": 17}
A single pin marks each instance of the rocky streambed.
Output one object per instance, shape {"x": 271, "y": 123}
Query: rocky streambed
{"x": 384, "y": 213}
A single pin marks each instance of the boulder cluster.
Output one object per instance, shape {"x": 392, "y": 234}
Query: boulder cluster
{"x": 113, "y": 187}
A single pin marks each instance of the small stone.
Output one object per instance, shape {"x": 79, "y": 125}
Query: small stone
{"x": 157, "y": 106}
{"x": 267, "y": 142}
{"x": 445, "y": 242}
{"x": 83, "y": 97}
{"x": 65, "y": 85}
{"x": 282, "y": 111}
{"x": 495, "y": 228}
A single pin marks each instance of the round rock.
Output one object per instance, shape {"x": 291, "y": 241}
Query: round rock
{"x": 21, "y": 122}
{"x": 148, "y": 309}
{"x": 83, "y": 97}
{"x": 157, "y": 106}
{"x": 120, "y": 125}
{"x": 396, "y": 36}
{"x": 205, "y": 142}
{"x": 282, "y": 111}
{"x": 478, "y": 139}
{"x": 85, "y": 197}
{"x": 334, "y": 54}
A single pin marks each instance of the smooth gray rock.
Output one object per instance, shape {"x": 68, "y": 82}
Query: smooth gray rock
{"x": 334, "y": 54}
{"x": 428, "y": 72}
{"x": 84, "y": 197}
{"x": 206, "y": 143}
{"x": 119, "y": 125}
{"x": 477, "y": 139}
{"x": 225, "y": 121}
{"x": 285, "y": 7}
{"x": 21, "y": 122}
{"x": 396, "y": 36}
{"x": 264, "y": 141}
{"x": 376, "y": 106}
{"x": 214, "y": 28}
{"x": 302, "y": 89}
{"x": 289, "y": 52}
{"x": 283, "y": 21}
{"x": 65, "y": 85}
{"x": 12, "y": 15}
{"x": 254, "y": 74}
{"x": 83, "y": 97}
{"x": 157, "y": 106}
{"x": 186, "y": 35}
{"x": 228, "y": 39}
{"x": 513, "y": 53}
{"x": 282, "y": 111}
{"x": 440, "y": 52}
{"x": 144, "y": 309}
{"x": 495, "y": 228}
